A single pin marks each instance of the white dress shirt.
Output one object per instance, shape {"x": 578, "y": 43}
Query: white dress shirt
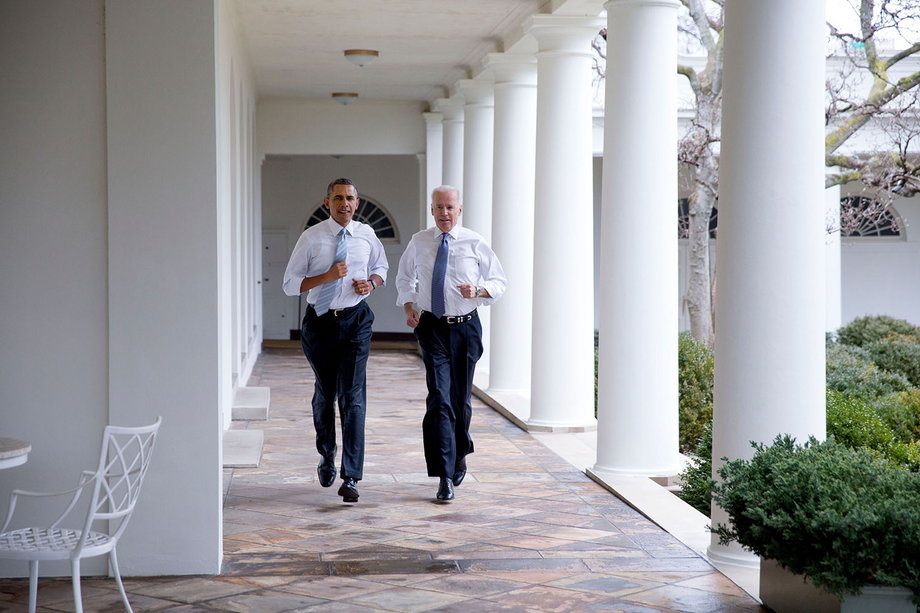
{"x": 314, "y": 254}
{"x": 470, "y": 260}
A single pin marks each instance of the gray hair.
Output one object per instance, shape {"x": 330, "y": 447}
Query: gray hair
{"x": 445, "y": 189}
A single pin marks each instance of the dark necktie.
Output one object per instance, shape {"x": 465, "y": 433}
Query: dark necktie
{"x": 437, "y": 278}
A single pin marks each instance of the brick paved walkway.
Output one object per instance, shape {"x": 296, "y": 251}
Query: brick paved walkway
{"x": 526, "y": 532}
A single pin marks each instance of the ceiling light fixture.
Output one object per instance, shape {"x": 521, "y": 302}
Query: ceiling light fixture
{"x": 344, "y": 98}
{"x": 361, "y": 57}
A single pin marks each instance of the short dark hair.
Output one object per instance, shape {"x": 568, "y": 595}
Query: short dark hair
{"x": 340, "y": 181}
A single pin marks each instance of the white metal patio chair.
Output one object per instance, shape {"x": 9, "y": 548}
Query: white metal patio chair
{"x": 116, "y": 483}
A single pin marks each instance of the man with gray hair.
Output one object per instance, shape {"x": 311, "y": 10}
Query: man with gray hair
{"x": 444, "y": 274}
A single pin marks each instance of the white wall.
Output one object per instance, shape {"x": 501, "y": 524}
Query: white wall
{"x": 881, "y": 276}
{"x": 53, "y": 305}
{"x": 128, "y": 222}
{"x": 293, "y": 186}
{"x": 325, "y": 127}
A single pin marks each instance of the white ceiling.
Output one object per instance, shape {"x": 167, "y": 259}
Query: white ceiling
{"x": 296, "y": 47}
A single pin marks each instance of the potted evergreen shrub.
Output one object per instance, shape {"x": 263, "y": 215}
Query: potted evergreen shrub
{"x": 846, "y": 520}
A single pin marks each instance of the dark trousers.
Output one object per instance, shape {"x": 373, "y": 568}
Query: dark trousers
{"x": 337, "y": 348}
{"x": 450, "y": 353}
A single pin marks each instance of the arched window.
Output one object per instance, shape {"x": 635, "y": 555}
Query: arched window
{"x": 370, "y": 212}
{"x": 862, "y": 217}
{"x": 683, "y": 219}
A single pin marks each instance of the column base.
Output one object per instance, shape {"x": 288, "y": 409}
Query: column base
{"x": 722, "y": 556}
{"x": 666, "y": 470}
{"x": 549, "y": 426}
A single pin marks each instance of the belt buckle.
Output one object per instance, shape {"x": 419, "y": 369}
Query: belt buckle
{"x": 335, "y": 312}
{"x": 451, "y": 319}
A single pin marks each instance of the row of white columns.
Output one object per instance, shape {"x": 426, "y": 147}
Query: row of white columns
{"x": 536, "y": 142}
{"x": 524, "y": 156}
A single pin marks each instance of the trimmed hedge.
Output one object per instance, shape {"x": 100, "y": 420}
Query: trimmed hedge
{"x": 900, "y": 354}
{"x": 842, "y": 517}
{"x": 850, "y": 370}
{"x": 901, "y": 411}
{"x": 694, "y": 363}
{"x": 853, "y": 422}
{"x": 865, "y": 330}
{"x": 696, "y": 478}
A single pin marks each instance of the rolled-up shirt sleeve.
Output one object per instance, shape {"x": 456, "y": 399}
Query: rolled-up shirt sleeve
{"x": 492, "y": 274}
{"x": 296, "y": 270}
{"x": 406, "y": 278}
{"x": 377, "y": 263}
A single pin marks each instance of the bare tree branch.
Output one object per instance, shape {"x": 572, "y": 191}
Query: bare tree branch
{"x": 691, "y": 75}
{"x": 864, "y": 112}
{"x": 701, "y": 19}
{"x": 905, "y": 53}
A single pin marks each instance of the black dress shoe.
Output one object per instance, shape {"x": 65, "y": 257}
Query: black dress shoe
{"x": 326, "y": 471}
{"x": 445, "y": 489}
{"x": 349, "y": 490}
{"x": 460, "y": 473}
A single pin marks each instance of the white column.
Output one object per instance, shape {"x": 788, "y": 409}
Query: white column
{"x": 562, "y": 388}
{"x": 452, "y": 157}
{"x": 424, "y": 211}
{"x": 833, "y": 296}
{"x": 512, "y": 216}
{"x": 769, "y": 350}
{"x": 163, "y": 261}
{"x": 478, "y": 121}
{"x": 434, "y": 157}
{"x": 637, "y": 361}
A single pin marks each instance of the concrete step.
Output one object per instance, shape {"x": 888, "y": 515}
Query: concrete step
{"x": 251, "y": 403}
{"x": 243, "y": 448}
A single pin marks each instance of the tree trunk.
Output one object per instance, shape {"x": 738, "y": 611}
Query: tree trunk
{"x": 699, "y": 280}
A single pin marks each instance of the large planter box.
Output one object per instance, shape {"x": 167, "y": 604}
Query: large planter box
{"x": 784, "y": 592}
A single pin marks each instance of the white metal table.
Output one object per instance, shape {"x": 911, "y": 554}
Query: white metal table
{"x": 13, "y": 452}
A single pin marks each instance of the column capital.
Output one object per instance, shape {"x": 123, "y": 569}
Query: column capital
{"x": 518, "y": 68}
{"x": 475, "y": 92}
{"x": 451, "y": 109}
{"x": 433, "y": 118}
{"x": 564, "y": 33}
{"x": 612, "y": 4}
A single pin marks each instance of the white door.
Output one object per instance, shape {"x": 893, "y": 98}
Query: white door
{"x": 279, "y": 311}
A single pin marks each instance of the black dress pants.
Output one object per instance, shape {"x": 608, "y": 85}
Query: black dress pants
{"x": 450, "y": 353}
{"x": 337, "y": 346}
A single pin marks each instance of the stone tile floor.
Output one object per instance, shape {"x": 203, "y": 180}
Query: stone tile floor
{"x": 526, "y": 532}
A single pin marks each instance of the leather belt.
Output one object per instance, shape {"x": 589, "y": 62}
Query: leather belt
{"x": 456, "y": 319}
{"x": 336, "y": 313}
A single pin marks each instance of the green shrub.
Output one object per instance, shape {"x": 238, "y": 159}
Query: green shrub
{"x": 853, "y": 422}
{"x": 901, "y": 411}
{"x": 842, "y": 517}
{"x": 865, "y": 330}
{"x": 850, "y": 370}
{"x": 696, "y": 478}
{"x": 899, "y": 354}
{"x": 694, "y": 363}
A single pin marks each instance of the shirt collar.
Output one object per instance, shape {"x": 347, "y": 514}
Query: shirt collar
{"x": 454, "y": 232}
{"x": 335, "y": 228}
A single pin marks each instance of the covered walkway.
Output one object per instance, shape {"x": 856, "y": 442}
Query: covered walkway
{"x": 527, "y": 531}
